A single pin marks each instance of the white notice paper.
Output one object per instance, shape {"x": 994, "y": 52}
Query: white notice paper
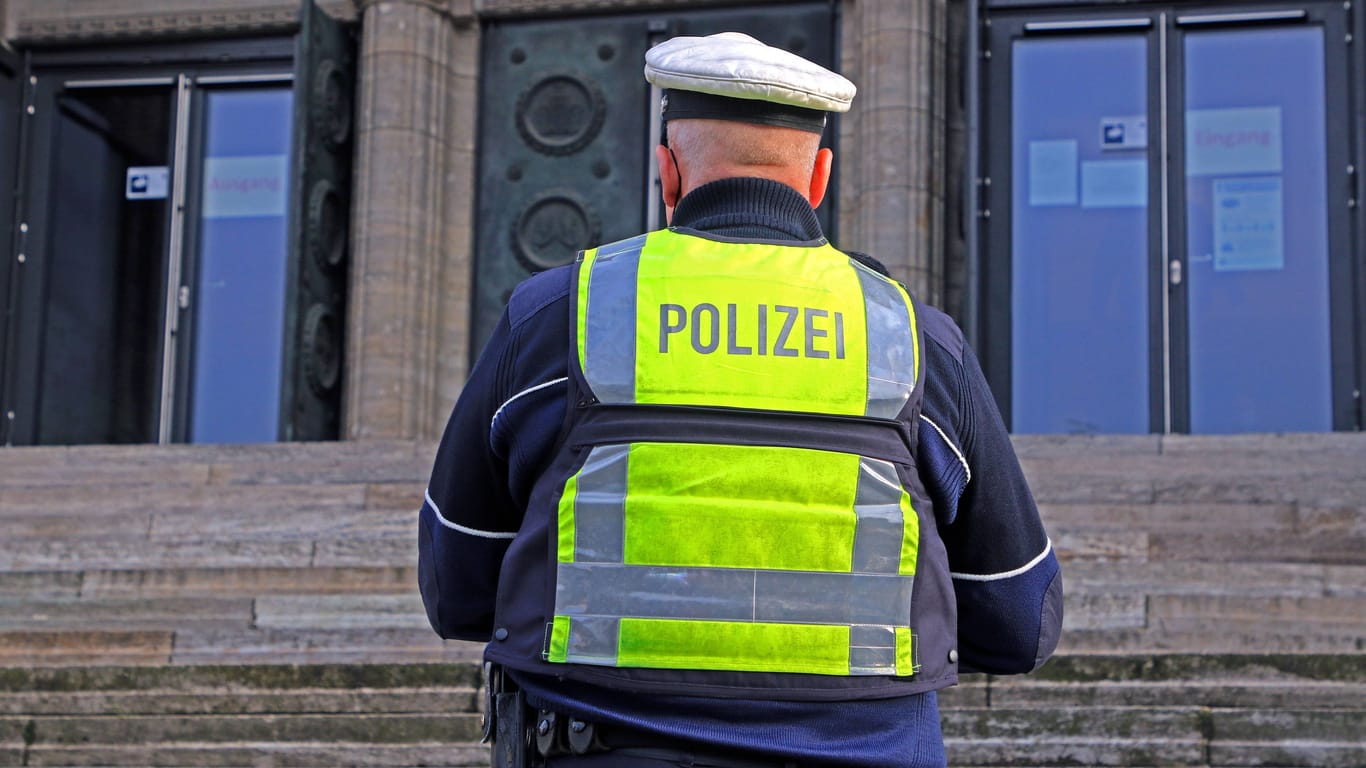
{"x": 1114, "y": 184}
{"x": 249, "y": 186}
{"x": 1223, "y": 141}
{"x": 1124, "y": 132}
{"x": 147, "y": 182}
{"x": 1248, "y": 224}
{"x": 1053, "y": 172}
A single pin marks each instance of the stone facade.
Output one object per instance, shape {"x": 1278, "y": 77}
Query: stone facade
{"x": 44, "y": 22}
{"x": 408, "y": 326}
{"x": 408, "y": 329}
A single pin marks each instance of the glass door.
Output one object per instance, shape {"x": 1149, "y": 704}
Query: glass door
{"x": 1080, "y": 339}
{"x": 1169, "y": 250}
{"x": 237, "y": 291}
{"x": 1258, "y": 256}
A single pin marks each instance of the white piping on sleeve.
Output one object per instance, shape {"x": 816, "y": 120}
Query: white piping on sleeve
{"x": 952, "y": 447}
{"x": 528, "y": 391}
{"x": 462, "y": 529}
{"x": 1007, "y": 574}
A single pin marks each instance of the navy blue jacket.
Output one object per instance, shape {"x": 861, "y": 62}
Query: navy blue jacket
{"x": 500, "y": 438}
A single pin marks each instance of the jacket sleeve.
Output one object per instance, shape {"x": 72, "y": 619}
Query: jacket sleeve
{"x": 497, "y": 442}
{"x": 1006, "y": 576}
{"x": 467, "y": 518}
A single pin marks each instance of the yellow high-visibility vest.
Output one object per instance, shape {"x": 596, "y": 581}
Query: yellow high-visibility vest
{"x": 724, "y": 554}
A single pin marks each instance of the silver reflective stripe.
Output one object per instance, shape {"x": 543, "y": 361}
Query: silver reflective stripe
{"x": 891, "y": 354}
{"x": 877, "y": 503}
{"x": 600, "y": 506}
{"x": 732, "y": 594}
{"x": 609, "y": 338}
{"x": 656, "y": 592}
{"x": 595, "y": 597}
{"x": 872, "y": 650}
{"x": 593, "y": 640}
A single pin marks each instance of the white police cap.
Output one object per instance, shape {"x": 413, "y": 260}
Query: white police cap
{"x": 771, "y": 85}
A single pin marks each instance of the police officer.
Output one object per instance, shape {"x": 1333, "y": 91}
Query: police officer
{"x": 721, "y": 494}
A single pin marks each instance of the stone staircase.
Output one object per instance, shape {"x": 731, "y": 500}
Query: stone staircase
{"x": 257, "y": 605}
{"x": 287, "y": 553}
{"x": 1186, "y": 710}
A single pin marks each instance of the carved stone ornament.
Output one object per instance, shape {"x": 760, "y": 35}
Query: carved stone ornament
{"x": 322, "y": 349}
{"x": 561, "y": 113}
{"x": 330, "y": 105}
{"x": 325, "y": 236}
{"x": 553, "y": 228}
{"x": 35, "y": 25}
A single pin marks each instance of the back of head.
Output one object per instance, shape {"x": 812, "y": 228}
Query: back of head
{"x": 733, "y": 106}
{"x": 714, "y": 149}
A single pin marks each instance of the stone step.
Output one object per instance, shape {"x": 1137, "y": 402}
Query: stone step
{"x": 358, "y": 701}
{"x": 124, "y": 613}
{"x": 1277, "y": 620}
{"x": 319, "y": 646}
{"x": 1050, "y": 751}
{"x": 1289, "y": 669}
{"x": 1195, "y": 710}
{"x": 230, "y": 646}
{"x": 1107, "y": 577}
{"x": 1208, "y": 532}
{"x": 1214, "y": 640}
{"x": 371, "y": 541}
{"x": 260, "y": 677}
{"x": 169, "y": 730}
{"x": 81, "y": 647}
{"x": 1323, "y": 471}
{"x": 284, "y": 754}
{"x": 376, "y": 461}
{"x": 973, "y": 736}
{"x": 77, "y": 554}
{"x": 224, "y": 582}
{"x": 1208, "y": 680}
{"x": 355, "y": 611}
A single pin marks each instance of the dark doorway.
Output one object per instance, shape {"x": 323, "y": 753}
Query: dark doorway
{"x": 102, "y": 315}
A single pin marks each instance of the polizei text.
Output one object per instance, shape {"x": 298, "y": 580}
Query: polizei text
{"x": 778, "y": 330}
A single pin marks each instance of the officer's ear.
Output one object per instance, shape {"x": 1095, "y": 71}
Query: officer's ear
{"x": 820, "y": 176}
{"x": 670, "y": 180}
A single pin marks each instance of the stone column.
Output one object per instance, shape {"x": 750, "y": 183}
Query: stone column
{"x": 892, "y": 141}
{"x": 407, "y": 343}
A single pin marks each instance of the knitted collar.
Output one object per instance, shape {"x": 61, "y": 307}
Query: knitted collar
{"x": 749, "y": 208}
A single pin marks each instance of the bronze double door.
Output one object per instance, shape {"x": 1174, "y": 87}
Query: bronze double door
{"x": 567, "y": 129}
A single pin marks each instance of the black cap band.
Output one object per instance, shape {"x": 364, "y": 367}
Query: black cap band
{"x": 685, "y": 105}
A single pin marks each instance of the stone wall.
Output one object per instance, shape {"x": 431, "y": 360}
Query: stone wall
{"x": 408, "y": 325}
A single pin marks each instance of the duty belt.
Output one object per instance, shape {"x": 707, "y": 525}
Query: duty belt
{"x": 557, "y": 735}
